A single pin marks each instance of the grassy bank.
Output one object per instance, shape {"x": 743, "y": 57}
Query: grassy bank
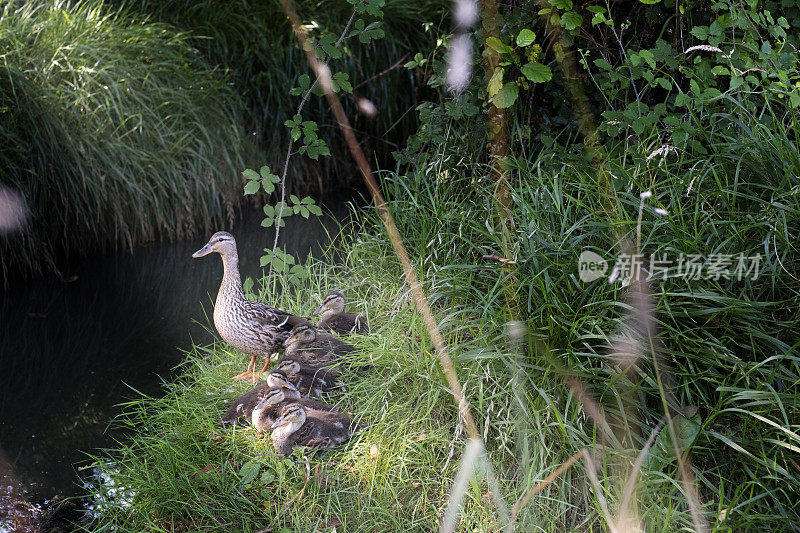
{"x": 728, "y": 349}
{"x": 114, "y": 130}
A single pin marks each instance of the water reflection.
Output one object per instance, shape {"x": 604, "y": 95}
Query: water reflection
{"x": 70, "y": 350}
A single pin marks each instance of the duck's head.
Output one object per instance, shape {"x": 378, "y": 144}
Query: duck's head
{"x": 221, "y": 242}
{"x": 333, "y": 301}
{"x": 277, "y": 379}
{"x": 290, "y": 367}
{"x": 274, "y": 396}
{"x": 294, "y": 416}
{"x": 301, "y": 333}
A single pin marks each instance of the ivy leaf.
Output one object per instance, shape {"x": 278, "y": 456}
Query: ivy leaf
{"x": 495, "y": 82}
{"x": 571, "y": 20}
{"x": 536, "y": 72}
{"x": 525, "y": 37}
{"x": 506, "y": 96}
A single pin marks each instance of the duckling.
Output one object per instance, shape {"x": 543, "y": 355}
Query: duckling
{"x": 315, "y": 349}
{"x": 335, "y": 319}
{"x": 272, "y": 406}
{"x": 241, "y": 409}
{"x": 309, "y": 382}
{"x": 299, "y": 427}
{"x": 255, "y": 328}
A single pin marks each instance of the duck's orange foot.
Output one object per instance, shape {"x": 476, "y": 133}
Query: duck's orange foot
{"x": 256, "y": 377}
{"x": 243, "y": 375}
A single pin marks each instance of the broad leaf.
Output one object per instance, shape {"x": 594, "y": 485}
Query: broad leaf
{"x": 536, "y": 72}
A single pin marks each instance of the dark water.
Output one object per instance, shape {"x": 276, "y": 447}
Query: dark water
{"x": 70, "y": 351}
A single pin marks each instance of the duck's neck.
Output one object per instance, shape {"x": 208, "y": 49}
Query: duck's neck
{"x": 231, "y": 287}
{"x": 326, "y": 316}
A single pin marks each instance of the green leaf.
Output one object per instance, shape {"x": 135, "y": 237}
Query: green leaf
{"x": 571, "y": 20}
{"x": 251, "y": 187}
{"x": 647, "y": 55}
{"x": 249, "y": 471}
{"x": 602, "y": 64}
{"x": 536, "y": 72}
{"x": 294, "y": 199}
{"x": 525, "y": 37}
{"x": 250, "y": 174}
{"x": 269, "y": 210}
{"x": 686, "y": 431}
{"x": 497, "y": 45}
{"x": 561, "y": 4}
{"x": 267, "y": 477}
{"x": 315, "y": 209}
{"x": 248, "y": 284}
{"x": 506, "y": 96}
{"x": 495, "y": 82}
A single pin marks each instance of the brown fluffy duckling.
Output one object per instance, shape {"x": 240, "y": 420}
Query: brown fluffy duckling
{"x": 272, "y": 406}
{"x": 300, "y": 427}
{"x": 241, "y": 409}
{"x": 335, "y": 319}
{"x": 310, "y": 382}
{"x": 315, "y": 349}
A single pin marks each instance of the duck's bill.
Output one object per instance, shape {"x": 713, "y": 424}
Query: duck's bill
{"x": 279, "y": 422}
{"x": 261, "y": 404}
{"x": 289, "y": 385}
{"x": 205, "y": 250}
{"x": 288, "y": 342}
{"x": 320, "y": 309}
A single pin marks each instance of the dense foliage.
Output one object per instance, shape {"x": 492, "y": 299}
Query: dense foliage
{"x": 114, "y": 130}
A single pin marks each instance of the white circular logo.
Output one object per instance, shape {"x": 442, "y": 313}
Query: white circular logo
{"x": 591, "y": 266}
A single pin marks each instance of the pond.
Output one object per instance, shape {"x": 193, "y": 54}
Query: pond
{"x": 115, "y": 326}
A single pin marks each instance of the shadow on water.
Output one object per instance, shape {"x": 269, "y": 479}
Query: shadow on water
{"x": 71, "y": 351}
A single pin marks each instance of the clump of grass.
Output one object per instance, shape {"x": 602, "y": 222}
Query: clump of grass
{"x": 183, "y": 471}
{"x": 114, "y": 129}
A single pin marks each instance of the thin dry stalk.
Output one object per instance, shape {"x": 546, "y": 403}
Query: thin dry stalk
{"x": 323, "y": 76}
{"x": 544, "y": 483}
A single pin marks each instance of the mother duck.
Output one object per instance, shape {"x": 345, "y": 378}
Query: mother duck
{"x": 255, "y": 328}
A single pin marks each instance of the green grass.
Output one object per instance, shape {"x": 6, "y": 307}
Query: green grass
{"x": 254, "y": 43}
{"x": 114, "y": 129}
{"x": 730, "y": 347}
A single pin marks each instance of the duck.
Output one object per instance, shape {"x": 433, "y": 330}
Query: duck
{"x": 272, "y": 406}
{"x": 241, "y": 409}
{"x": 335, "y": 319}
{"x": 315, "y": 349}
{"x": 309, "y": 382}
{"x": 255, "y": 328}
{"x": 299, "y": 427}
